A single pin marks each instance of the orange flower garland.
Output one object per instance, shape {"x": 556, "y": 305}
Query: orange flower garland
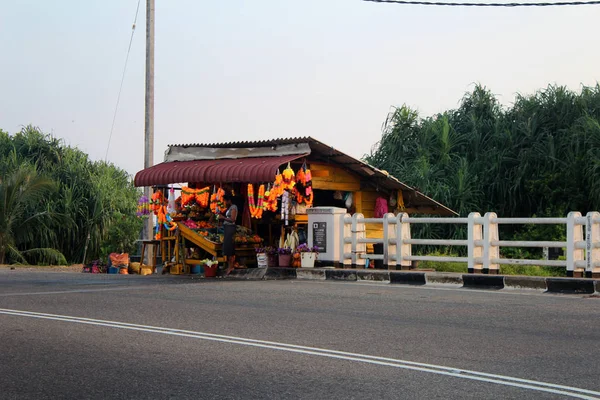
{"x": 251, "y": 204}
{"x": 303, "y": 189}
{"x": 201, "y": 196}
{"x": 158, "y": 200}
{"x": 216, "y": 200}
{"x": 288, "y": 178}
{"x": 308, "y": 188}
{"x": 271, "y": 196}
{"x": 164, "y": 219}
{"x": 256, "y": 209}
{"x": 278, "y": 186}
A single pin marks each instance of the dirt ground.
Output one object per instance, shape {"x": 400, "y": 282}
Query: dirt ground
{"x": 55, "y": 268}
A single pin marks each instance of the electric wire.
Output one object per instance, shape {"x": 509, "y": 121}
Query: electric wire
{"x": 137, "y": 11}
{"x": 473, "y": 4}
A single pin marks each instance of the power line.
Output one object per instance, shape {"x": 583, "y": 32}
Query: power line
{"x": 122, "y": 79}
{"x": 452, "y": 4}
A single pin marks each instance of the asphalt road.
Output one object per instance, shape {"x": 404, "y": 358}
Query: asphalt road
{"x": 177, "y": 337}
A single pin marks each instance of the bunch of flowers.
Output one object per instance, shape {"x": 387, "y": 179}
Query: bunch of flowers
{"x": 284, "y": 250}
{"x": 268, "y": 250}
{"x": 143, "y": 208}
{"x": 304, "y": 248}
{"x": 209, "y": 263}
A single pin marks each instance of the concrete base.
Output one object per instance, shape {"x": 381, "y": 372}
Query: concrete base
{"x": 310, "y": 274}
{"x": 373, "y": 276}
{"x": 525, "y": 282}
{"x": 407, "y": 278}
{"x": 444, "y": 278}
{"x": 474, "y": 281}
{"x": 340, "y": 275}
{"x": 571, "y": 285}
{"x": 493, "y": 282}
{"x": 280, "y": 273}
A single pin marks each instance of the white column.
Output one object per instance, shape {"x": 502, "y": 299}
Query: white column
{"x": 389, "y": 233}
{"x": 474, "y": 249}
{"x": 574, "y": 235}
{"x": 592, "y": 243}
{"x": 403, "y": 234}
{"x": 490, "y": 251}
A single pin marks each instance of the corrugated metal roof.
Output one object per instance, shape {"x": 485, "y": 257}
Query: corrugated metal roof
{"x": 250, "y": 170}
{"x": 326, "y": 153}
{"x": 259, "y": 143}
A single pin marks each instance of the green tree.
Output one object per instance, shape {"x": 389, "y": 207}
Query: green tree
{"x": 541, "y": 156}
{"x": 20, "y": 190}
{"x": 89, "y": 199}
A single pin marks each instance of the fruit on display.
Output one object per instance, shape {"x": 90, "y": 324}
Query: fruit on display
{"x": 296, "y": 260}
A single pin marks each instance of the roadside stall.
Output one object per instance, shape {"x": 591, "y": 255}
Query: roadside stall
{"x": 273, "y": 183}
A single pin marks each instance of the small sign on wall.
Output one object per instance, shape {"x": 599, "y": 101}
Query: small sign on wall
{"x": 320, "y": 236}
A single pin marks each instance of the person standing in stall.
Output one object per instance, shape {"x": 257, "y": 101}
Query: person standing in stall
{"x": 229, "y": 218}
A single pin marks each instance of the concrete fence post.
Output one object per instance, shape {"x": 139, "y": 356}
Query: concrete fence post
{"x": 474, "y": 248}
{"x": 354, "y": 239}
{"x": 361, "y": 248}
{"x": 345, "y": 233}
{"x": 574, "y": 235}
{"x": 348, "y": 246}
{"x": 490, "y": 251}
{"x": 403, "y": 249}
{"x": 389, "y": 233}
{"x": 592, "y": 244}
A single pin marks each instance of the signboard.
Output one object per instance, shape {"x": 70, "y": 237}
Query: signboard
{"x": 320, "y": 236}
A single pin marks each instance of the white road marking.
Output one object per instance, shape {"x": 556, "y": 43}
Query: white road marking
{"x": 342, "y": 355}
{"x": 74, "y": 291}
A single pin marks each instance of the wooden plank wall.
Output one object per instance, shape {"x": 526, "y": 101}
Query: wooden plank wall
{"x": 329, "y": 177}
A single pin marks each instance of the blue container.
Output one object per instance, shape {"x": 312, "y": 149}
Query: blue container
{"x": 113, "y": 270}
{"x": 196, "y": 269}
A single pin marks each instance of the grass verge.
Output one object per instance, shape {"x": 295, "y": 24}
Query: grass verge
{"x": 525, "y": 270}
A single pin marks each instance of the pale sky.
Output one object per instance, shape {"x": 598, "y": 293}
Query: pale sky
{"x": 258, "y": 69}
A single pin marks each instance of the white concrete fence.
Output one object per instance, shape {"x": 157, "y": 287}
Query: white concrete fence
{"x": 582, "y": 247}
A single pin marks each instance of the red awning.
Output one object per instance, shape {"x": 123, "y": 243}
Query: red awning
{"x": 250, "y": 170}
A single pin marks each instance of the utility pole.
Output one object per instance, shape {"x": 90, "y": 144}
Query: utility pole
{"x": 149, "y": 118}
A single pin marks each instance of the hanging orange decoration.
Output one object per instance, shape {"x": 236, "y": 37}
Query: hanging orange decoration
{"x": 278, "y": 185}
{"x": 303, "y": 189}
{"x": 308, "y": 188}
{"x": 251, "y": 204}
{"x": 260, "y": 205}
{"x": 200, "y": 196}
{"x": 271, "y": 196}
{"x": 256, "y": 208}
{"x": 300, "y": 177}
{"x": 163, "y": 219}
{"x": 158, "y": 199}
{"x": 289, "y": 180}
{"x": 216, "y": 200}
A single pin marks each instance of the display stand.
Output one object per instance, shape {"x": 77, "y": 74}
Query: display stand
{"x": 156, "y": 245}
